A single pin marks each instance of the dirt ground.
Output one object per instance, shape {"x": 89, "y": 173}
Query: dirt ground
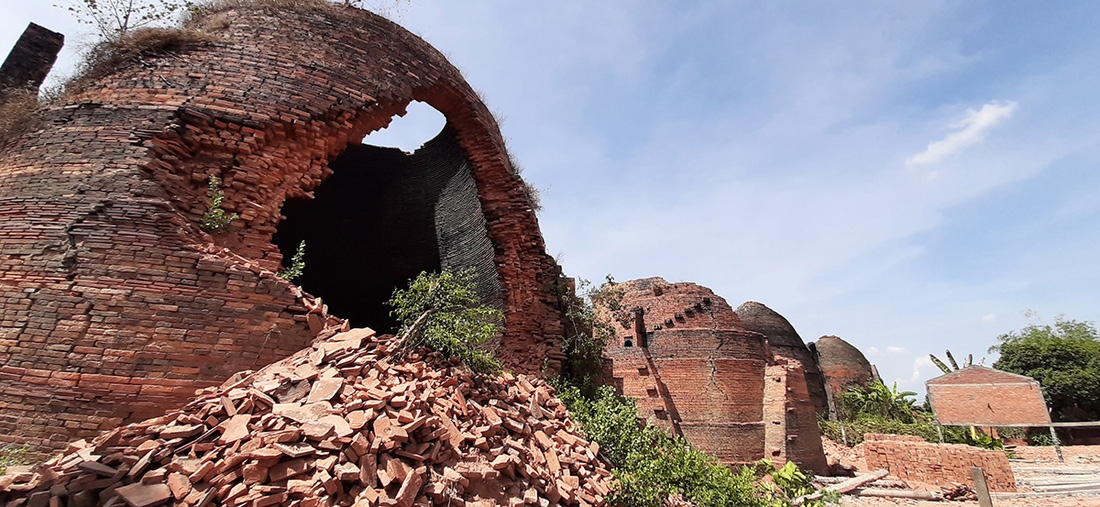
{"x": 1042, "y": 481}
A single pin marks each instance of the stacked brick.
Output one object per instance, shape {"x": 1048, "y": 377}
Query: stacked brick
{"x": 114, "y": 305}
{"x": 683, "y": 354}
{"x": 912, "y": 459}
{"x": 340, "y": 423}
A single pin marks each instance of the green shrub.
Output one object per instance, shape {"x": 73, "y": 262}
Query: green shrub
{"x": 215, "y": 220}
{"x": 444, "y": 313}
{"x": 863, "y": 424}
{"x": 588, "y": 322}
{"x": 651, "y": 465}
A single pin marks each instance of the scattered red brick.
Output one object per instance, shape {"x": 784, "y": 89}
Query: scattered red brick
{"x": 262, "y": 440}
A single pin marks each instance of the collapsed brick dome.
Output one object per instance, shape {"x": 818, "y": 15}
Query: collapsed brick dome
{"x": 842, "y": 365}
{"x": 116, "y": 305}
{"x": 695, "y": 370}
{"x": 785, "y": 342}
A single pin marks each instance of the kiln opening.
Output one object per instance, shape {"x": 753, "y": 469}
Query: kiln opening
{"x": 381, "y": 218}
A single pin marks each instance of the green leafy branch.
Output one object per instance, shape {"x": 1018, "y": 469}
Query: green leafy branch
{"x": 297, "y": 264}
{"x": 443, "y": 312}
{"x": 215, "y": 220}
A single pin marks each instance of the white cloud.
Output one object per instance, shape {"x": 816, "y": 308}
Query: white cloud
{"x": 989, "y": 317}
{"x": 969, "y": 131}
{"x": 891, "y": 350}
{"x": 922, "y": 366}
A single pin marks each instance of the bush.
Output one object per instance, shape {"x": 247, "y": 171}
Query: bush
{"x": 864, "y": 424}
{"x": 651, "y": 465}
{"x": 444, "y": 313}
{"x": 588, "y": 322}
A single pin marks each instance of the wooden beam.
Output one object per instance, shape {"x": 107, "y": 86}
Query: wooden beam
{"x": 843, "y": 487}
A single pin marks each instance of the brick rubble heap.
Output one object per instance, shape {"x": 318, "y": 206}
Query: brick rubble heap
{"x": 340, "y": 423}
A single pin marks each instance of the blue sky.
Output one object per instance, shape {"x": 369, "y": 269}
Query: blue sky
{"x": 910, "y": 176}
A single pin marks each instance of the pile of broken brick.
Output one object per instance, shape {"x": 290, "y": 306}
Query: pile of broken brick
{"x": 345, "y": 422}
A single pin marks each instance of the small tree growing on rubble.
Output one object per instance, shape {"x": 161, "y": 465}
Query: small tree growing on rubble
{"x": 443, "y": 312}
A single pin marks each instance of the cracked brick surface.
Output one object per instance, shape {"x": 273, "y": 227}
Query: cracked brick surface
{"x": 114, "y": 305}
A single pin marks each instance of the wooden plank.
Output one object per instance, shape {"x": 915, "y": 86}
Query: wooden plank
{"x": 980, "y": 487}
{"x": 843, "y": 487}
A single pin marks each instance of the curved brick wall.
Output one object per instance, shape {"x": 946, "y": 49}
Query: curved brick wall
{"x": 785, "y": 342}
{"x": 842, "y": 365}
{"x": 114, "y": 305}
{"x": 419, "y": 211}
{"x": 695, "y": 370}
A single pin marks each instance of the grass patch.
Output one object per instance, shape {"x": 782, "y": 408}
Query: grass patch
{"x": 109, "y": 56}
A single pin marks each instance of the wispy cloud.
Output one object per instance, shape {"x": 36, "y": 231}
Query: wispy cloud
{"x": 969, "y": 131}
{"x": 890, "y": 351}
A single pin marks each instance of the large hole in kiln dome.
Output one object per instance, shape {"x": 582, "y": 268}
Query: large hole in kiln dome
{"x": 383, "y": 217}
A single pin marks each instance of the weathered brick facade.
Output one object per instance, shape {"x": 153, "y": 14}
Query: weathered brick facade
{"x": 912, "y": 459}
{"x": 696, "y": 371}
{"x": 114, "y": 304}
{"x": 785, "y": 342}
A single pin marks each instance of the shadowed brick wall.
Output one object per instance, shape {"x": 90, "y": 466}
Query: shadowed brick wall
{"x": 682, "y": 352}
{"x": 114, "y": 305}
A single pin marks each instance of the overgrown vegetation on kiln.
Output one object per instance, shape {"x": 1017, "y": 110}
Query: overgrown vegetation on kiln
{"x": 588, "y": 320}
{"x": 443, "y": 312}
{"x": 215, "y": 220}
{"x": 650, "y": 465}
{"x": 18, "y": 114}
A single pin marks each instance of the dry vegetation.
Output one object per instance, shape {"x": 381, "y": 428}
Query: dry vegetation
{"x": 18, "y": 114}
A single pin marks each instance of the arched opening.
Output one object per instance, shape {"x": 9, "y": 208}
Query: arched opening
{"x": 384, "y": 216}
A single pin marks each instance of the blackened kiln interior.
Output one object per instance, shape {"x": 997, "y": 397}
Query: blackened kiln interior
{"x": 383, "y": 217}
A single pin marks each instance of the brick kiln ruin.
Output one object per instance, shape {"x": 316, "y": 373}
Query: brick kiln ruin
{"x": 114, "y": 305}
{"x": 697, "y": 371}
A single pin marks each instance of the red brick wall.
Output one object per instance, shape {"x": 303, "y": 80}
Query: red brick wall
{"x": 702, "y": 375}
{"x": 982, "y": 396}
{"x": 114, "y": 305}
{"x": 913, "y": 459}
